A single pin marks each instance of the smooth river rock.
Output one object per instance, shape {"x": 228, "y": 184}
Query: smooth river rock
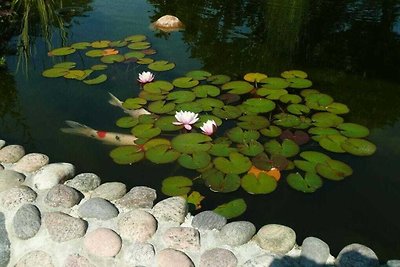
{"x": 35, "y": 258}
{"x": 276, "y": 238}
{"x": 63, "y": 227}
{"x": 17, "y": 196}
{"x": 98, "y": 208}
{"x": 110, "y": 191}
{"x": 62, "y": 196}
{"x": 182, "y": 238}
{"x": 356, "y": 255}
{"x": 84, "y": 182}
{"x": 392, "y": 263}
{"x": 172, "y": 258}
{"x": 4, "y": 242}
{"x": 171, "y": 209}
{"x": 52, "y": 174}
{"x": 137, "y": 225}
{"x": 10, "y": 179}
{"x": 11, "y": 153}
{"x": 137, "y": 254}
{"x": 31, "y": 162}
{"x": 27, "y": 221}
{"x": 2, "y": 143}
{"x": 218, "y": 257}
{"x": 137, "y": 197}
{"x": 314, "y": 252}
{"x": 237, "y": 233}
{"x": 103, "y": 242}
{"x": 208, "y": 220}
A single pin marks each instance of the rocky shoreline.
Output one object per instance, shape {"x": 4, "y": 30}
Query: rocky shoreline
{"x": 49, "y": 216}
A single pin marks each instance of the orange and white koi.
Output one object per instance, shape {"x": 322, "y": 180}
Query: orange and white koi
{"x": 135, "y": 113}
{"x": 111, "y": 138}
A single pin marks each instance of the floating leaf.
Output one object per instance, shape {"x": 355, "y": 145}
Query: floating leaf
{"x": 65, "y": 65}
{"x": 238, "y": 87}
{"x": 261, "y": 184}
{"x": 287, "y": 149}
{"x": 195, "y": 199}
{"x": 334, "y": 170}
{"x": 94, "y": 53}
{"x": 227, "y": 112}
{"x": 271, "y": 93}
{"x": 165, "y": 124}
{"x": 127, "y": 122}
{"x": 326, "y": 119}
{"x": 139, "y": 45}
{"x": 161, "y": 107}
{"x": 151, "y": 97}
{"x": 298, "y": 109}
{"x": 162, "y": 154}
{"x": 100, "y": 44}
{"x": 299, "y": 83}
{"x": 221, "y": 150}
{"x": 252, "y": 148}
{"x": 206, "y": 90}
{"x": 312, "y": 158}
{"x": 299, "y": 137}
{"x": 337, "y": 108}
{"x": 219, "y": 182}
{"x": 136, "y": 38}
{"x": 176, "y": 186}
{"x": 181, "y": 96}
{"x": 145, "y": 61}
{"x": 185, "y": 82}
{"x": 197, "y": 160}
{"x": 158, "y": 87}
{"x": 62, "y": 51}
{"x": 294, "y": 74}
{"x": 207, "y": 104}
{"x": 353, "y": 130}
{"x": 320, "y": 132}
{"x": 148, "y": 118}
{"x": 112, "y": 59}
{"x": 85, "y": 75}
{"x": 156, "y": 142}
{"x": 318, "y": 101}
{"x": 258, "y": 105}
{"x": 237, "y": 135}
{"x": 134, "y": 103}
{"x": 286, "y": 120}
{"x": 74, "y": 74}
{"x": 191, "y": 142}
{"x": 333, "y": 143}
{"x": 149, "y": 51}
{"x": 232, "y": 209}
{"x": 134, "y": 54}
{"x": 229, "y": 98}
{"x": 218, "y": 79}
{"x": 161, "y": 65}
{"x": 274, "y": 83}
{"x": 264, "y": 162}
{"x": 126, "y": 154}
{"x": 271, "y": 131}
{"x": 146, "y": 131}
{"x": 252, "y": 122}
{"x": 310, "y": 183}
{"x": 359, "y": 147}
{"x": 290, "y": 98}
{"x": 55, "y": 72}
{"x": 81, "y": 45}
{"x": 99, "y": 67}
{"x": 236, "y": 164}
{"x": 99, "y": 79}
{"x": 254, "y": 77}
{"x": 198, "y": 74}
{"x": 192, "y": 106}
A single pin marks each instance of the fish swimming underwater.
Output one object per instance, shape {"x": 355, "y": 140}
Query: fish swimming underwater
{"x": 117, "y": 139}
{"x": 135, "y": 113}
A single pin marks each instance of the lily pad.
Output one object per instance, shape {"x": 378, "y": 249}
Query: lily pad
{"x": 156, "y": 142}
{"x": 232, "y": 209}
{"x": 161, "y": 107}
{"x": 162, "y": 154}
{"x": 286, "y": 120}
{"x": 334, "y": 170}
{"x": 126, "y": 154}
{"x": 254, "y": 77}
{"x": 191, "y": 142}
{"x": 258, "y": 105}
{"x": 271, "y": 93}
{"x": 161, "y": 65}
{"x": 218, "y": 79}
{"x": 190, "y": 106}
{"x": 318, "y": 101}
{"x": 294, "y": 74}
{"x": 287, "y": 149}
{"x": 195, "y": 199}
{"x": 81, "y": 45}
{"x": 263, "y": 162}
{"x": 99, "y": 67}
{"x": 147, "y": 118}
{"x": 260, "y": 184}
{"x": 252, "y": 122}
{"x": 100, "y": 44}
{"x": 236, "y": 164}
{"x": 299, "y": 83}
{"x": 312, "y": 158}
{"x": 298, "y": 109}
{"x": 118, "y": 43}
{"x": 151, "y": 97}
{"x": 290, "y": 98}
{"x": 227, "y": 112}
{"x": 62, "y": 51}
{"x": 337, "y": 108}
{"x": 139, "y": 45}
{"x": 55, "y": 72}
{"x": 333, "y": 143}
{"x": 306, "y": 92}
{"x": 176, "y": 186}
{"x": 208, "y": 104}
{"x": 136, "y": 38}
{"x": 353, "y": 130}
{"x": 94, "y": 53}
{"x": 359, "y": 147}
{"x": 274, "y": 83}
{"x": 185, "y": 82}
{"x": 221, "y": 150}
{"x": 99, "y": 79}
{"x": 197, "y": 160}
{"x": 134, "y": 54}
{"x": 181, "y": 96}
{"x": 146, "y": 131}
{"x": 320, "y": 132}
{"x": 238, "y": 87}
{"x": 206, "y": 90}
{"x": 310, "y": 183}
{"x": 158, "y": 87}
{"x": 127, "y": 122}
{"x": 145, "y": 61}
{"x": 229, "y": 98}
{"x": 134, "y": 103}
{"x": 65, "y": 65}
{"x": 251, "y": 148}
{"x": 75, "y": 74}
{"x": 237, "y": 135}
{"x": 165, "y": 124}
{"x": 298, "y": 136}
{"x": 112, "y": 59}
{"x": 326, "y": 119}
{"x": 198, "y": 74}
{"x": 271, "y": 131}
{"x": 220, "y": 182}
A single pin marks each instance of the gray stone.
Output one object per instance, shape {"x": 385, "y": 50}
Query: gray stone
{"x": 1, "y": 167}
{"x": 11, "y": 153}
{"x": 138, "y": 197}
{"x": 273, "y": 260}
{"x": 171, "y": 209}
{"x": 172, "y": 258}
{"x": 4, "y": 242}
{"x": 52, "y": 174}
{"x": 2, "y": 143}
{"x": 98, "y": 208}
{"x": 27, "y": 221}
{"x": 35, "y": 258}
{"x": 237, "y": 233}
{"x": 208, "y": 220}
{"x": 139, "y": 254}
{"x": 103, "y": 242}
{"x": 10, "y": 179}
{"x": 63, "y": 227}
{"x": 182, "y": 238}
{"x": 392, "y": 263}
{"x": 17, "y": 196}
{"x": 137, "y": 225}
{"x": 31, "y": 162}
{"x": 110, "y": 191}
{"x": 357, "y": 255}
{"x": 218, "y": 257}
{"x": 275, "y": 238}
{"x": 77, "y": 260}
{"x": 62, "y": 196}
{"x": 84, "y": 182}
{"x": 314, "y": 252}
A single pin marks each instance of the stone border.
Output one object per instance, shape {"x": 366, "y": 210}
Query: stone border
{"x": 51, "y": 217}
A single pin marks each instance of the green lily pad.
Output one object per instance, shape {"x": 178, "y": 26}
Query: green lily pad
{"x": 181, "y": 96}
{"x": 165, "y": 124}
{"x": 134, "y": 103}
{"x": 162, "y": 154}
{"x": 287, "y": 149}
{"x": 236, "y": 164}
{"x": 333, "y": 143}
{"x": 99, "y": 67}
{"x": 185, "y": 82}
{"x": 318, "y": 101}
{"x": 290, "y": 98}
{"x": 353, "y": 130}
{"x": 112, "y": 59}
{"x": 252, "y": 122}
{"x": 99, "y": 79}
{"x": 218, "y": 79}
{"x": 306, "y": 92}
{"x": 161, "y": 107}
{"x": 227, "y": 112}
{"x": 151, "y": 97}
{"x": 156, "y": 142}
{"x": 158, "y": 87}
{"x": 326, "y": 119}
{"x": 298, "y": 109}
{"x": 334, "y": 170}
{"x": 198, "y": 74}
{"x": 81, "y": 45}
{"x": 337, "y": 108}
{"x": 145, "y": 131}
{"x": 251, "y": 148}
{"x": 299, "y": 83}
{"x": 126, "y": 154}
{"x": 95, "y": 53}
{"x": 65, "y": 65}
{"x": 310, "y": 183}
{"x": 197, "y": 160}
{"x": 320, "y": 132}
{"x": 190, "y": 106}
{"x": 148, "y": 118}
{"x": 294, "y": 74}
{"x": 145, "y": 61}
{"x": 221, "y": 150}
{"x": 262, "y": 184}
{"x": 136, "y": 38}
{"x": 191, "y": 142}
{"x": 220, "y": 182}
{"x": 305, "y": 123}
{"x": 238, "y": 87}
{"x": 75, "y": 74}
{"x": 161, "y": 65}
{"x": 359, "y": 147}
{"x": 176, "y": 186}
{"x": 206, "y": 90}
{"x": 134, "y": 54}
{"x": 312, "y": 158}
{"x": 62, "y": 51}
{"x": 139, "y": 45}
{"x": 237, "y": 135}
{"x": 208, "y": 104}
{"x": 232, "y": 209}
{"x": 258, "y": 105}
{"x": 271, "y": 93}
{"x": 274, "y": 83}
{"x": 55, "y": 72}
{"x": 286, "y": 120}
{"x": 118, "y": 43}
{"x": 254, "y": 77}
{"x": 127, "y": 122}
{"x": 100, "y": 44}
{"x": 271, "y": 131}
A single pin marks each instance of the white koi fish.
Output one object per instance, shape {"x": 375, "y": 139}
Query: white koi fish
{"x": 117, "y": 139}
{"x": 135, "y": 113}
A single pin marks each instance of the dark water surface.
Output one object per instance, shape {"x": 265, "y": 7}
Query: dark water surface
{"x": 350, "y": 49}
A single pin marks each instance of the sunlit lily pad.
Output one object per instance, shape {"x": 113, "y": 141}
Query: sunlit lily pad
{"x": 237, "y": 135}
{"x": 258, "y": 105}
{"x": 271, "y": 131}
{"x": 218, "y": 79}
{"x": 290, "y": 98}
{"x": 65, "y": 65}
{"x": 238, "y": 87}
{"x": 161, "y": 65}
{"x": 94, "y": 53}
{"x": 55, "y": 72}
{"x": 181, "y": 96}
{"x": 299, "y": 83}
{"x": 359, "y": 147}
{"x": 195, "y": 161}
{"x": 198, "y": 74}
{"x": 99, "y": 79}
{"x": 251, "y": 148}
{"x": 127, "y": 122}
{"x": 227, "y": 112}
{"x": 195, "y": 199}
{"x": 126, "y": 154}
{"x": 236, "y": 164}
{"x": 134, "y": 54}
{"x": 145, "y": 61}
{"x": 99, "y": 67}
{"x": 136, "y": 38}
{"x": 206, "y": 90}
{"x": 310, "y": 183}
{"x": 81, "y": 45}
{"x": 294, "y": 74}
{"x": 252, "y": 122}
{"x": 162, "y": 154}
{"x": 298, "y": 109}
{"x": 220, "y": 182}
{"x": 254, "y": 77}
{"x": 161, "y": 107}
{"x": 165, "y": 124}
{"x": 185, "y": 82}
{"x": 334, "y": 170}
{"x": 112, "y": 59}
{"x": 74, "y": 74}
{"x": 326, "y": 119}
{"x": 232, "y": 209}
{"x": 191, "y": 142}
{"x": 158, "y": 87}
{"x": 134, "y": 103}
{"x": 100, "y": 44}
{"x": 271, "y": 93}
{"x": 139, "y": 45}
{"x": 286, "y": 120}
{"x": 176, "y": 186}
{"x": 62, "y": 51}
{"x": 260, "y": 184}
{"x": 337, "y": 108}
{"x": 333, "y": 143}
{"x": 221, "y": 150}
{"x": 353, "y": 130}
{"x": 146, "y": 131}
{"x": 287, "y": 149}
{"x": 207, "y": 104}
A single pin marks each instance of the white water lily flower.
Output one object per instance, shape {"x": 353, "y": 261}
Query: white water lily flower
{"x": 145, "y": 77}
{"x": 186, "y": 118}
{"x": 209, "y": 127}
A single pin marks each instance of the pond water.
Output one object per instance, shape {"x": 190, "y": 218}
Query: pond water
{"x": 350, "y": 50}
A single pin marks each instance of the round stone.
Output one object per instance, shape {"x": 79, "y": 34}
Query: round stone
{"x": 137, "y": 254}
{"x": 98, "y": 208}
{"x": 5, "y": 244}
{"x": 10, "y": 179}
{"x": 103, "y": 242}
{"x": 137, "y": 225}
{"x": 110, "y": 191}
{"x": 314, "y": 252}
{"x": 137, "y": 197}
{"x": 16, "y": 196}
{"x": 237, "y": 233}
{"x": 2, "y": 143}
{"x": 52, "y": 174}
{"x": 208, "y": 220}
{"x": 182, "y": 238}
{"x": 31, "y": 162}
{"x": 356, "y": 255}
{"x": 27, "y": 221}
{"x": 62, "y": 196}
{"x": 77, "y": 260}
{"x": 35, "y": 258}
{"x": 392, "y": 263}
{"x": 63, "y": 227}
{"x": 269, "y": 259}
{"x": 218, "y": 257}
{"x": 171, "y": 209}
{"x": 11, "y": 153}
{"x": 172, "y": 258}
{"x": 84, "y": 182}
{"x": 276, "y": 238}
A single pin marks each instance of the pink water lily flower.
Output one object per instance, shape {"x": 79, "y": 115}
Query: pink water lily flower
{"x": 186, "y": 118}
{"x": 145, "y": 77}
{"x": 209, "y": 127}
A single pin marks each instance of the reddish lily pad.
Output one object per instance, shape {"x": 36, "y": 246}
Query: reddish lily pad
{"x": 299, "y": 137}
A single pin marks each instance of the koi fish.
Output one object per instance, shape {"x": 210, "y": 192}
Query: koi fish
{"x": 107, "y": 137}
{"x": 135, "y": 113}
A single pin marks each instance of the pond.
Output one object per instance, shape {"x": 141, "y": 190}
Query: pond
{"x": 349, "y": 49}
